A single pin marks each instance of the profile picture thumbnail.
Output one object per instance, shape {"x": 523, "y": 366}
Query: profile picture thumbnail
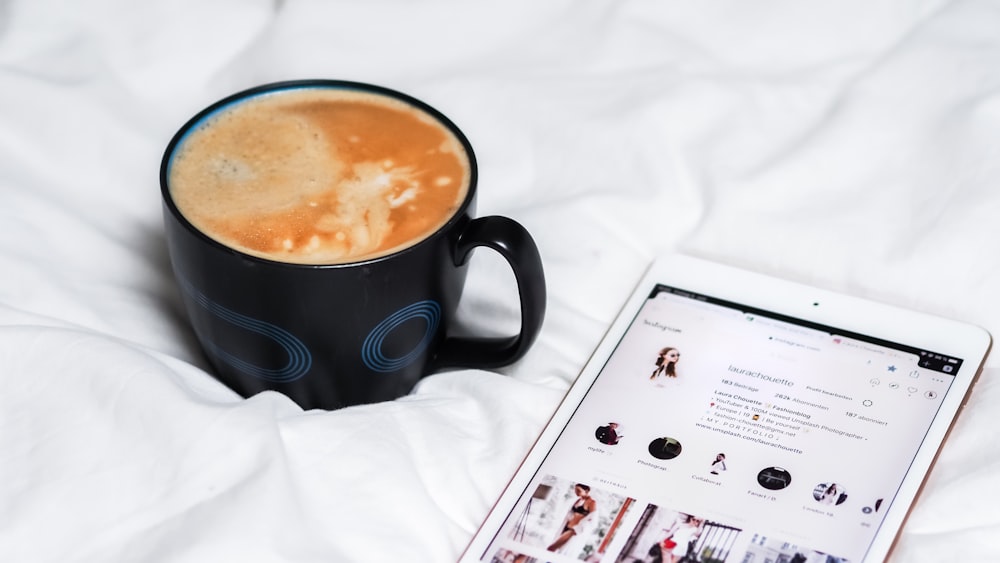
{"x": 665, "y": 448}
{"x": 666, "y": 363}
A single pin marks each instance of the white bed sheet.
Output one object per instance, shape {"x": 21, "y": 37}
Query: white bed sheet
{"x": 852, "y": 145}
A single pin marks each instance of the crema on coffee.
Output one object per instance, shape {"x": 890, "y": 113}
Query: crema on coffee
{"x": 319, "y": 175}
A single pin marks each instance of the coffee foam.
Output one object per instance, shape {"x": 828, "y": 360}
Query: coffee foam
{"x": 319, "y": 176}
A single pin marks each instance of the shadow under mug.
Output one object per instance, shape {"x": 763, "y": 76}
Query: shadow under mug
{"x": 335, "y": 335}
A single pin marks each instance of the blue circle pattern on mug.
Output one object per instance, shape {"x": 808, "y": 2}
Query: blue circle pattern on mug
{"x": 299, "y": 357}
{"x": 371, "y": 350}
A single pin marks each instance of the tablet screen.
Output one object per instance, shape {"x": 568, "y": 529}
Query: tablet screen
{"x": 720, "y": 432}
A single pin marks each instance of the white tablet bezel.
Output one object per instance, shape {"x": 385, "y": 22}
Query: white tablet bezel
{"x": 890, "y": 323}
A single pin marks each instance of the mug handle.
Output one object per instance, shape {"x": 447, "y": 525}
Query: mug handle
{"x": 513, "y": 242}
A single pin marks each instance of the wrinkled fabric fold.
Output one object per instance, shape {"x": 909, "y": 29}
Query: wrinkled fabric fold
{"x": 845, "y": 144}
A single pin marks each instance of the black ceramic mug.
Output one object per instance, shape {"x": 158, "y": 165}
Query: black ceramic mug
{"x": 320, "y": 231}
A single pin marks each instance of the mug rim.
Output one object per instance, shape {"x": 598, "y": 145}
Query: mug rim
{"x": 301, "y": 84}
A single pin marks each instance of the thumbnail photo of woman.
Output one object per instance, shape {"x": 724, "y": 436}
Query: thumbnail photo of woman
{"x": 666, "y": 363}
{"x": 680, "y": 539}
{"x": 664, "y": 535}
{"x": 581, "y": 508}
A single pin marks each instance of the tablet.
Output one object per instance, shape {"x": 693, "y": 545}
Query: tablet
{"x": 730, "y": 416}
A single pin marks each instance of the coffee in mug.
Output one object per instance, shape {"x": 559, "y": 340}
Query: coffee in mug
{"x": 320, "y": 232}
{"x": 320, "y": 176}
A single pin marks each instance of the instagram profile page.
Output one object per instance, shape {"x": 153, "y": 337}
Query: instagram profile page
{"x": 716, "y": 432}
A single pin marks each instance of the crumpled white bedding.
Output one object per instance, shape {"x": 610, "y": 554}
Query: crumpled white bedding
{"x": 849, "y": 144}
